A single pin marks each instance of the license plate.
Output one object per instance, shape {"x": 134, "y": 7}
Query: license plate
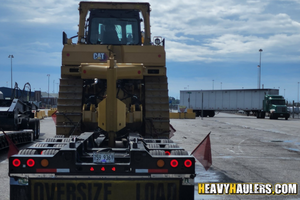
{"x": 124, "y": 189}
{"x": 103, "y": 157}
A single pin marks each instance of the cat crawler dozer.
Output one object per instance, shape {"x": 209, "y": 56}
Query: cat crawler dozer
{"x": 112, "y": 121}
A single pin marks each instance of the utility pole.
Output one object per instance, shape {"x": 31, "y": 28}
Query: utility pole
{"x": 259, "y": 68}
{"x": 298, "y": 94}
{"x": 57, "y": 88}
{"x": 11, "y": 57}
{"x": 213, "y": 84}
{"x": 53, "y": 86}
{"x": 48, "y": 87}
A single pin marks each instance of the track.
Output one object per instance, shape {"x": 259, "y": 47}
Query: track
{"x": 69, "y": 106}
{"x": 156, "y": 107}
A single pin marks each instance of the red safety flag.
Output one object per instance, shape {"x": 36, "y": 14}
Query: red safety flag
{"x": 54, "y": 117}
{"x": 203, "y": 152}
{"x": 12, "y": 147}
{"x": 172, "y": 131}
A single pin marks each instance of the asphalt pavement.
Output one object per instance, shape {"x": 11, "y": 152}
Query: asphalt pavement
{"x": 244, "y": 150}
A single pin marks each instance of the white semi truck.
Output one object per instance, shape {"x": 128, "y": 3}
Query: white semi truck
{"x": 248, "y": 100}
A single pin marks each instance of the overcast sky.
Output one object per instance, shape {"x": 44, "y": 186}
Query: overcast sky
{"x": 209, "y": 44}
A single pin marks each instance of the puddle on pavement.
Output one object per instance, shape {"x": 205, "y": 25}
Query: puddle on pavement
{"x": 204, "y": 177}
{"x": 210, "y": 176}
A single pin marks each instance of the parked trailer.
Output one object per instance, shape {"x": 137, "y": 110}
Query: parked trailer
{"x": 16, "y": 115}
{"x": 18, "y": 137}
{"x": 224, "y": 100}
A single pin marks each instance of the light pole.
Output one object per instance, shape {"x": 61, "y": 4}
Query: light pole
{"x": 11, "y": 57}
{"x": 48, "y": 87}
{"x": 259, "y": 66}
{"x": 298, "y": 94}
{"x": 221, "y": 85}
{"x": 213, "y": 84}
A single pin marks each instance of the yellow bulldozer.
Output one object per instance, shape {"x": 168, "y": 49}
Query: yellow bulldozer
{"x": 114, "y": 78}
{"x": 112, "y": 126}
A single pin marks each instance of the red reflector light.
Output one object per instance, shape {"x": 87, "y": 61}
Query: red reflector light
{"x": 16, "y": 162}
{"x": 84, "y": 71}
{"x": 139, "y": 72}
{"x": 167, "y": 153}
{"x": 174, "y": 163}
{"x": 30, "y": 163}
{"x": 188, "y": 163}
{"x": 102, "y": 169}
{"x": 113, "y": 169}
{"x": 92, "y": 169}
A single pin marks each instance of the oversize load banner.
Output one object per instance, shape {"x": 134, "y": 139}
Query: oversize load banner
{"x": 248, "y": 188}
{"x": 59, "y": 189}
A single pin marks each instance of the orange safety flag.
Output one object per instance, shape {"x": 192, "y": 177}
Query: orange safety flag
{"x": 12, "y": 147}
{"x": 203, "y": 152}
{"x": 172, "y": 131}
{"x": 54, "y": 117}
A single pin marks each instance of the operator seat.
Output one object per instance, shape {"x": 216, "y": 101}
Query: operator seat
{"x": 110, "y": 35}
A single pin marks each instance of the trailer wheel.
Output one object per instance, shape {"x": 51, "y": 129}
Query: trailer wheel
{"x": 211, "y": 114}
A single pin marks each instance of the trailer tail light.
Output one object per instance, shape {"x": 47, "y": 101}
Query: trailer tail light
{"x": 188, "y": 163}
{"x": 30, "y": 162}
{"x": 16, "y": 162}
{"x": 174, "y": 163}
{"x": 92, "y": 169}
{"x": 167, "y": 153}
{"x": 113, "y": 169}
{"x": 160, "y": 163}
{"x": 103, "y": 169}
{"x": 45, "y": 163}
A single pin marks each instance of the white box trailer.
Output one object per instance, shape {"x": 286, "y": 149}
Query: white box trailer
{"x": 223, "y": 100}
